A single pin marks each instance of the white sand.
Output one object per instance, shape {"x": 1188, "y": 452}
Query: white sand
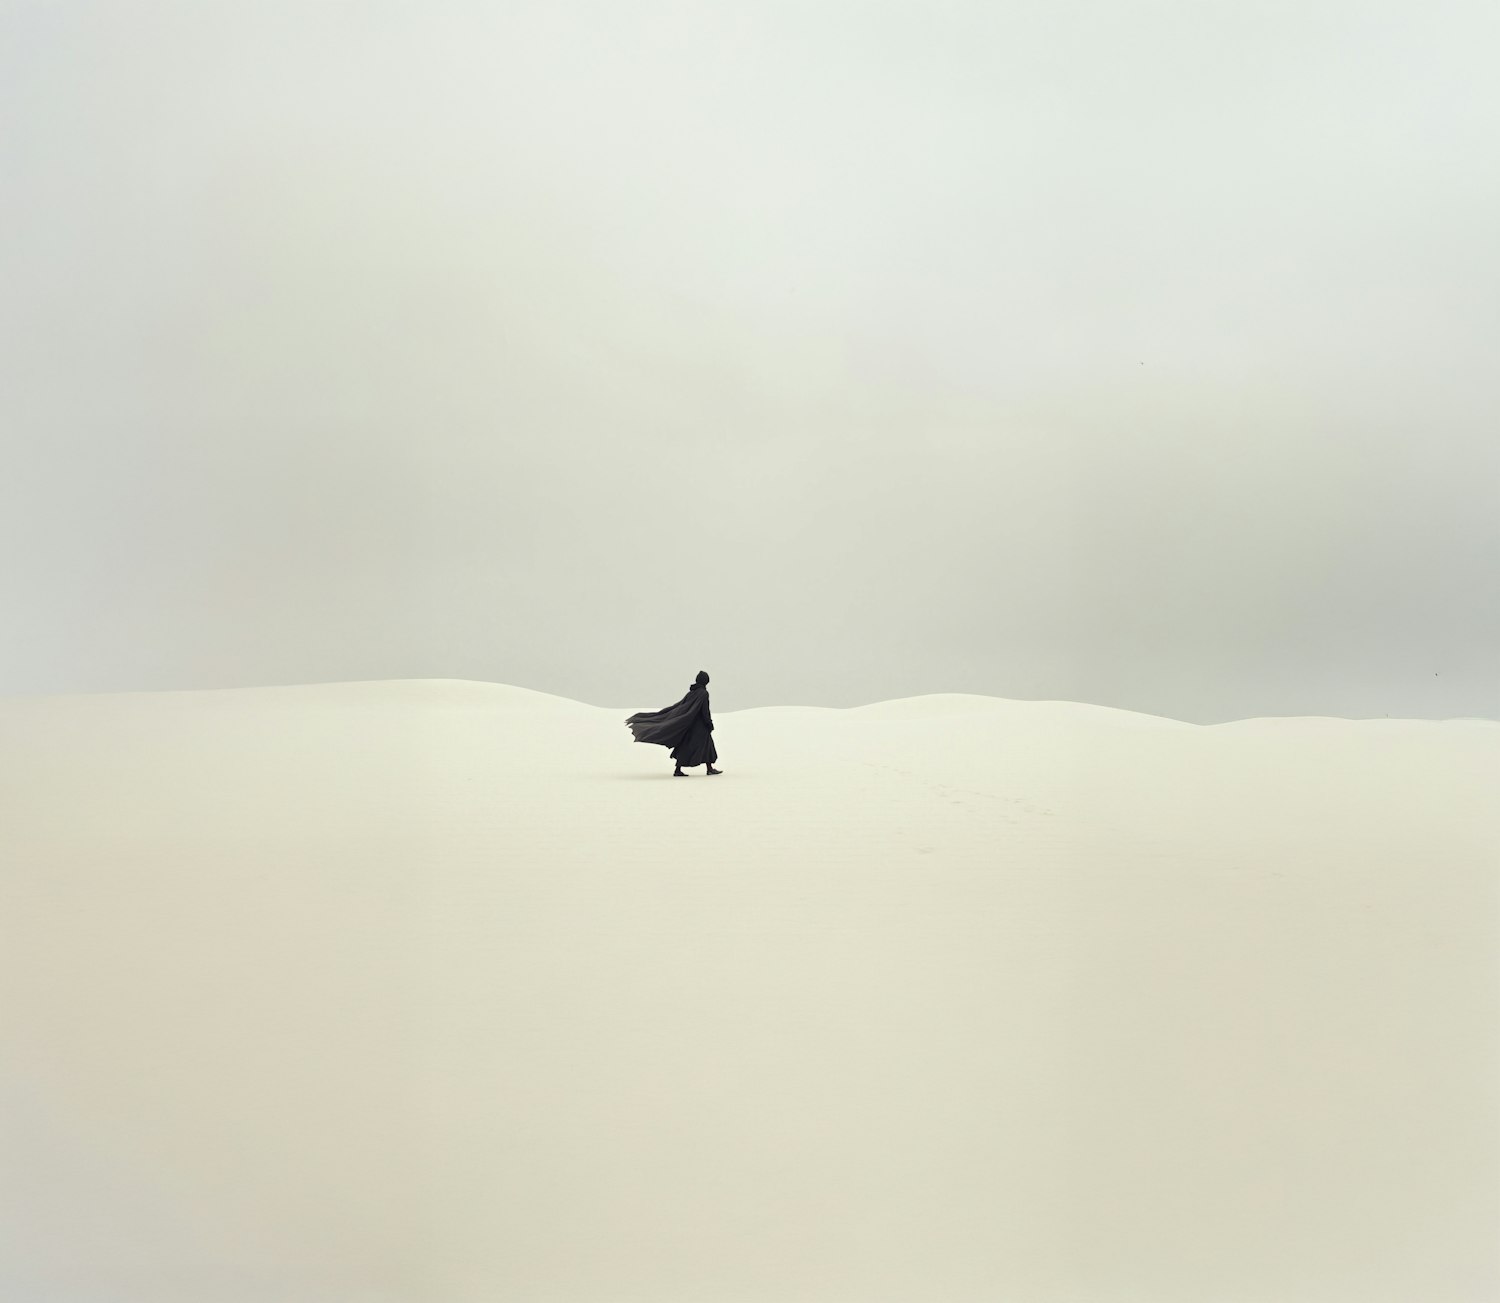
{"x": 440, "y": 991}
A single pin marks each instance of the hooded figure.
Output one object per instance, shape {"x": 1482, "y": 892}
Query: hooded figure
{"x": 686, "y": 726}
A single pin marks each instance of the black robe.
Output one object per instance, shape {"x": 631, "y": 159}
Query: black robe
{"x": 685, "y": 726}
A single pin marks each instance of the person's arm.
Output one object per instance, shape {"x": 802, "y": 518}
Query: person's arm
{"x": 708, "y": 717}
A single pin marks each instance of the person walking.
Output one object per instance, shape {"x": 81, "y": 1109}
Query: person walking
{"x": 686, "y": 726}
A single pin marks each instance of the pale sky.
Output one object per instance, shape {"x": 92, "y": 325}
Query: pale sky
{"x": 1142, "y": 354}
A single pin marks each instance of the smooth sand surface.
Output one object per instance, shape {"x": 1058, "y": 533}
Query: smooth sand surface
{"x": 435, "y": 991}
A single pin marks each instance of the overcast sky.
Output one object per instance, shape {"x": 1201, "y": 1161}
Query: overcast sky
{"x": 1142, "y": 354}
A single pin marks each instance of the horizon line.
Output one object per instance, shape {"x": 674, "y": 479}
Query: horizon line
{"x": 494, "y": 683}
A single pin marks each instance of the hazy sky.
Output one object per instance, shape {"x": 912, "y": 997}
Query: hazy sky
{"x": 1134, "y": 353}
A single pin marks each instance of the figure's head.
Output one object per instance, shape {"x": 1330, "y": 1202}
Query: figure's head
{"x": 702, "y": 678}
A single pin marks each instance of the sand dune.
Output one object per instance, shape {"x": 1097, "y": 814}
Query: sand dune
{"x": 439, "y": 991}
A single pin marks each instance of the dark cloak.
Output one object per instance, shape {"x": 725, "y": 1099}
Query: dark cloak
{"x": 686, "y": 727}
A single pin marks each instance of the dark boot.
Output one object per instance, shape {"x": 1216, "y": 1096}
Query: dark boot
{"x": 712, "y": 770}
{"x": 677, "y": 773}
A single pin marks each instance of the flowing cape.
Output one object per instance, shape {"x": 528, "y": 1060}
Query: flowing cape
{"x": 672, "y": 724}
